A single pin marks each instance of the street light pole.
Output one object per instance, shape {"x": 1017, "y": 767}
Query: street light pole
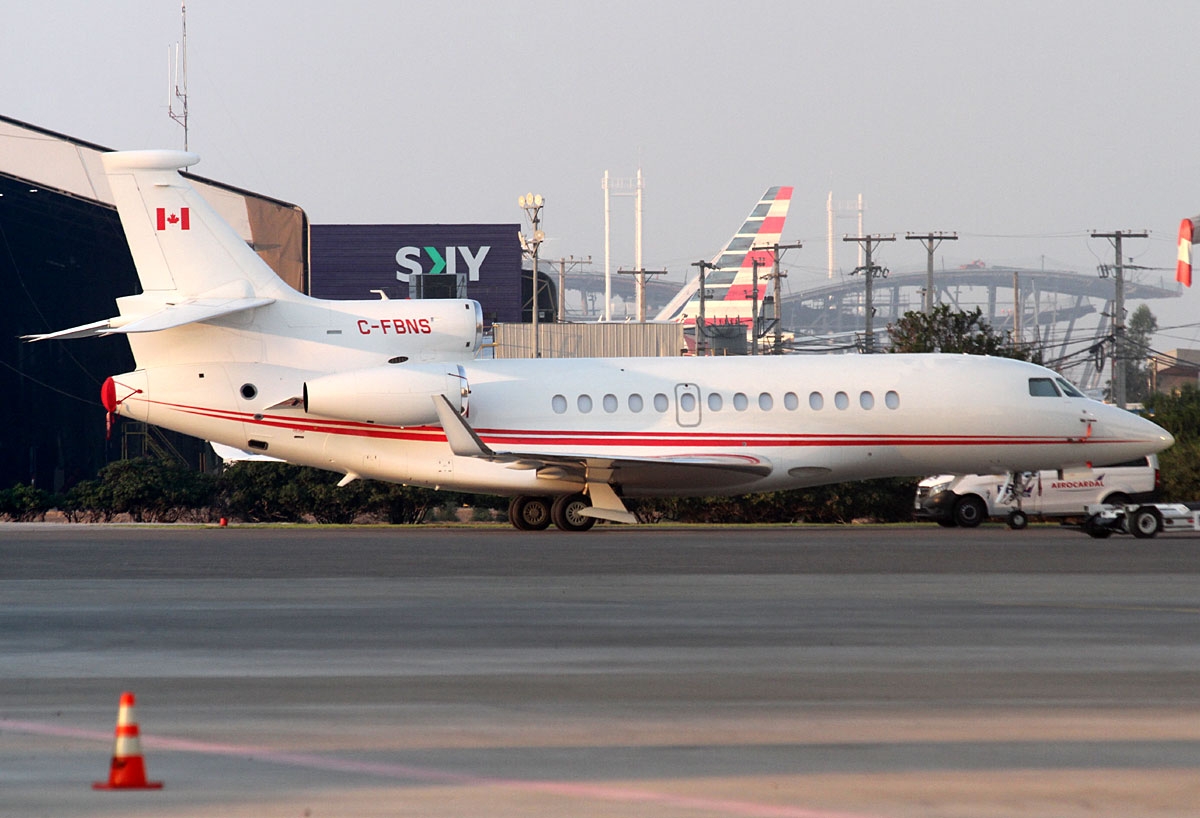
{"x": 532, "y": 205}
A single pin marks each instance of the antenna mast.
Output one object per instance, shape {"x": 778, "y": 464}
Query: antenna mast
{"x": 177, "y": 78}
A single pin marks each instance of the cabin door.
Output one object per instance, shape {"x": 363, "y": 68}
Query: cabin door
{"x": 687, "y": 404}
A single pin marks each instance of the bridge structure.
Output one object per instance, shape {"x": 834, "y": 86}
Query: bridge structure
{"x": 1066, "y": 314}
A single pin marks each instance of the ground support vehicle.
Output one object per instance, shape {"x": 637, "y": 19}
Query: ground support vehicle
{"x": 1142, "y": 521}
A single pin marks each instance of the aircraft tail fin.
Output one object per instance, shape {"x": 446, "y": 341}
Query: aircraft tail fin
{"x": 180, "y": 245}
{"x": 731, "y": 281}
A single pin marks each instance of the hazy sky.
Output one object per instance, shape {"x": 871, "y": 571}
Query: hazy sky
{"x": 1021, "y": 125}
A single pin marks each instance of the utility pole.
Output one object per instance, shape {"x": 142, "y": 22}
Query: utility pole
{"x": 776, "y": 251}
{"x": 562, "y": 282}
{"x": 869, "y": 271}
{"x": 1119, "y": 352}
{"x": 931, "y": 242}
{"x": 641, "y": 288}
{"x": 701, "y": 337}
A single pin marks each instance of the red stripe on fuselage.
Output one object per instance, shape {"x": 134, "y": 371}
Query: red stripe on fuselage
{"x": 528, "y": 438}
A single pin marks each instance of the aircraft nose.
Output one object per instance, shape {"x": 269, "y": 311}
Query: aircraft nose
{"x": 1154, "y": 434}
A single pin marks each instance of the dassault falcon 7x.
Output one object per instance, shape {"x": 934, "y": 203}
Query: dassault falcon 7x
{"x": 392, "y": 390}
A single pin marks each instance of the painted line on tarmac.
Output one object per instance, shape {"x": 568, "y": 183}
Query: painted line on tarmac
{"x": 600, "y": 792}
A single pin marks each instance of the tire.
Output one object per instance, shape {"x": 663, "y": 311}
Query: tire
{"x": 970, "y": 511}
{"x": 948, "y": 523}
{"x": 1117, "y": 499}
{"x": 529, "y": 513}
{"x": 565, "y": 513}
{"x": 1144, "y": 523}
{"x": 1017, "y": 519}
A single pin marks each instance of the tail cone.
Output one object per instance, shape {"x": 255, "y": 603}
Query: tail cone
{"x": 128, "y": 770}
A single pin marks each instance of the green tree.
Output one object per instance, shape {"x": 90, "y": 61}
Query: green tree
{"x": 24, "y": 503}
{"x": 1179, "y": 414}
{"x": 1136, "y": 352}
{"x": 955, "y": 331}
{"x": 149, "y": 489}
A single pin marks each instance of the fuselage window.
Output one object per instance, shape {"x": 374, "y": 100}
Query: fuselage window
{"x": 714, "y": 401}
{"x": 584, "y": 403}
{"x": 1069, "y": 390}
{"x": 610, "y": 403}
{"x": 661, "y": 403}
{"x": 791, "y": 402}
{"x": 635, "y": 402}
{"x": 740, "y": 401}
{"x": 816, "y": 402}
{"x": 1043, "y": 388}
{"x": 687, "y": 402}
{"x": 892, "y": 399}
{"x": 559, "y": 404}
{"x": 841, "y": 400}
{"x": 866, "y": 400}
{"x": 765, "y": 401}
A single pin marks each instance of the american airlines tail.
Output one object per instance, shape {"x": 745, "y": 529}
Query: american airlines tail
{"x": 730, "y": 287}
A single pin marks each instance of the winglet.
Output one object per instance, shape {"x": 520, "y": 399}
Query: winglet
{"x": 461, "y": 437}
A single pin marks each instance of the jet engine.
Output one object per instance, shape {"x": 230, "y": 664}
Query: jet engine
{"x": 395, "y": 394}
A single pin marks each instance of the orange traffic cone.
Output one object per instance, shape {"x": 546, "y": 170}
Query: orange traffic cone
{"x": 128, "y": 770}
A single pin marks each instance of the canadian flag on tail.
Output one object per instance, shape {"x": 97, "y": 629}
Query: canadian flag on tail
{"x": 1188, "y": 235}
{"x": 182, "y": 219}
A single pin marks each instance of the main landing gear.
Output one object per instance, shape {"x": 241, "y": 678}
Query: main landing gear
{"x": 528, "y": 513}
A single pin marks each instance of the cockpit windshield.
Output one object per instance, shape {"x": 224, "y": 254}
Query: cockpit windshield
{"x": 1043, "y": 388}
{"x": 1050, "y": 388}
{"x": 1069, "y": 390}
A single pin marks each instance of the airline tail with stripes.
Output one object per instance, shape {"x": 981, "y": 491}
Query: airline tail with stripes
{"x": 729, "y": 284}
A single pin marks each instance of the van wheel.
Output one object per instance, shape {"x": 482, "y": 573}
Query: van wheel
{"x": 1117, "y": 499}
{"x": 1017, "y": 519}
{"x": 1144, "y": 523}
{"x": 970, "y": 511}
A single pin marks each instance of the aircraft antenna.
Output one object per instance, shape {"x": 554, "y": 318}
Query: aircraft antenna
{"x": 177, "y": 78}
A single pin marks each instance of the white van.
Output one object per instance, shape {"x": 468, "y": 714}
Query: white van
{"x": 967, "y": 500}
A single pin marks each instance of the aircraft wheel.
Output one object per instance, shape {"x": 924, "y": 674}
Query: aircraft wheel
{"x": 1145, "y": 522}
{"x": 1093, "y": 528}
{"x": 1017, "y": 519}
{"x": 948, "y": 523}
{"x": 529, "y": 513}
{"x": 970, "y": 511}
{"x": 566, "y": 513}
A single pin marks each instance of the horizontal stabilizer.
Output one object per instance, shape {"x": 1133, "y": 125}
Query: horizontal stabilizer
{"x": 84, "y": 331}
{"x": 192, "y": 311}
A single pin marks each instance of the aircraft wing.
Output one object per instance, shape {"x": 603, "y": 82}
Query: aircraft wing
{"x": 190, "y": 311}
{"x": 710, "y": 471}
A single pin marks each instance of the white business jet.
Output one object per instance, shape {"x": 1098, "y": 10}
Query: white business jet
{"x": 391, "y": 390}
